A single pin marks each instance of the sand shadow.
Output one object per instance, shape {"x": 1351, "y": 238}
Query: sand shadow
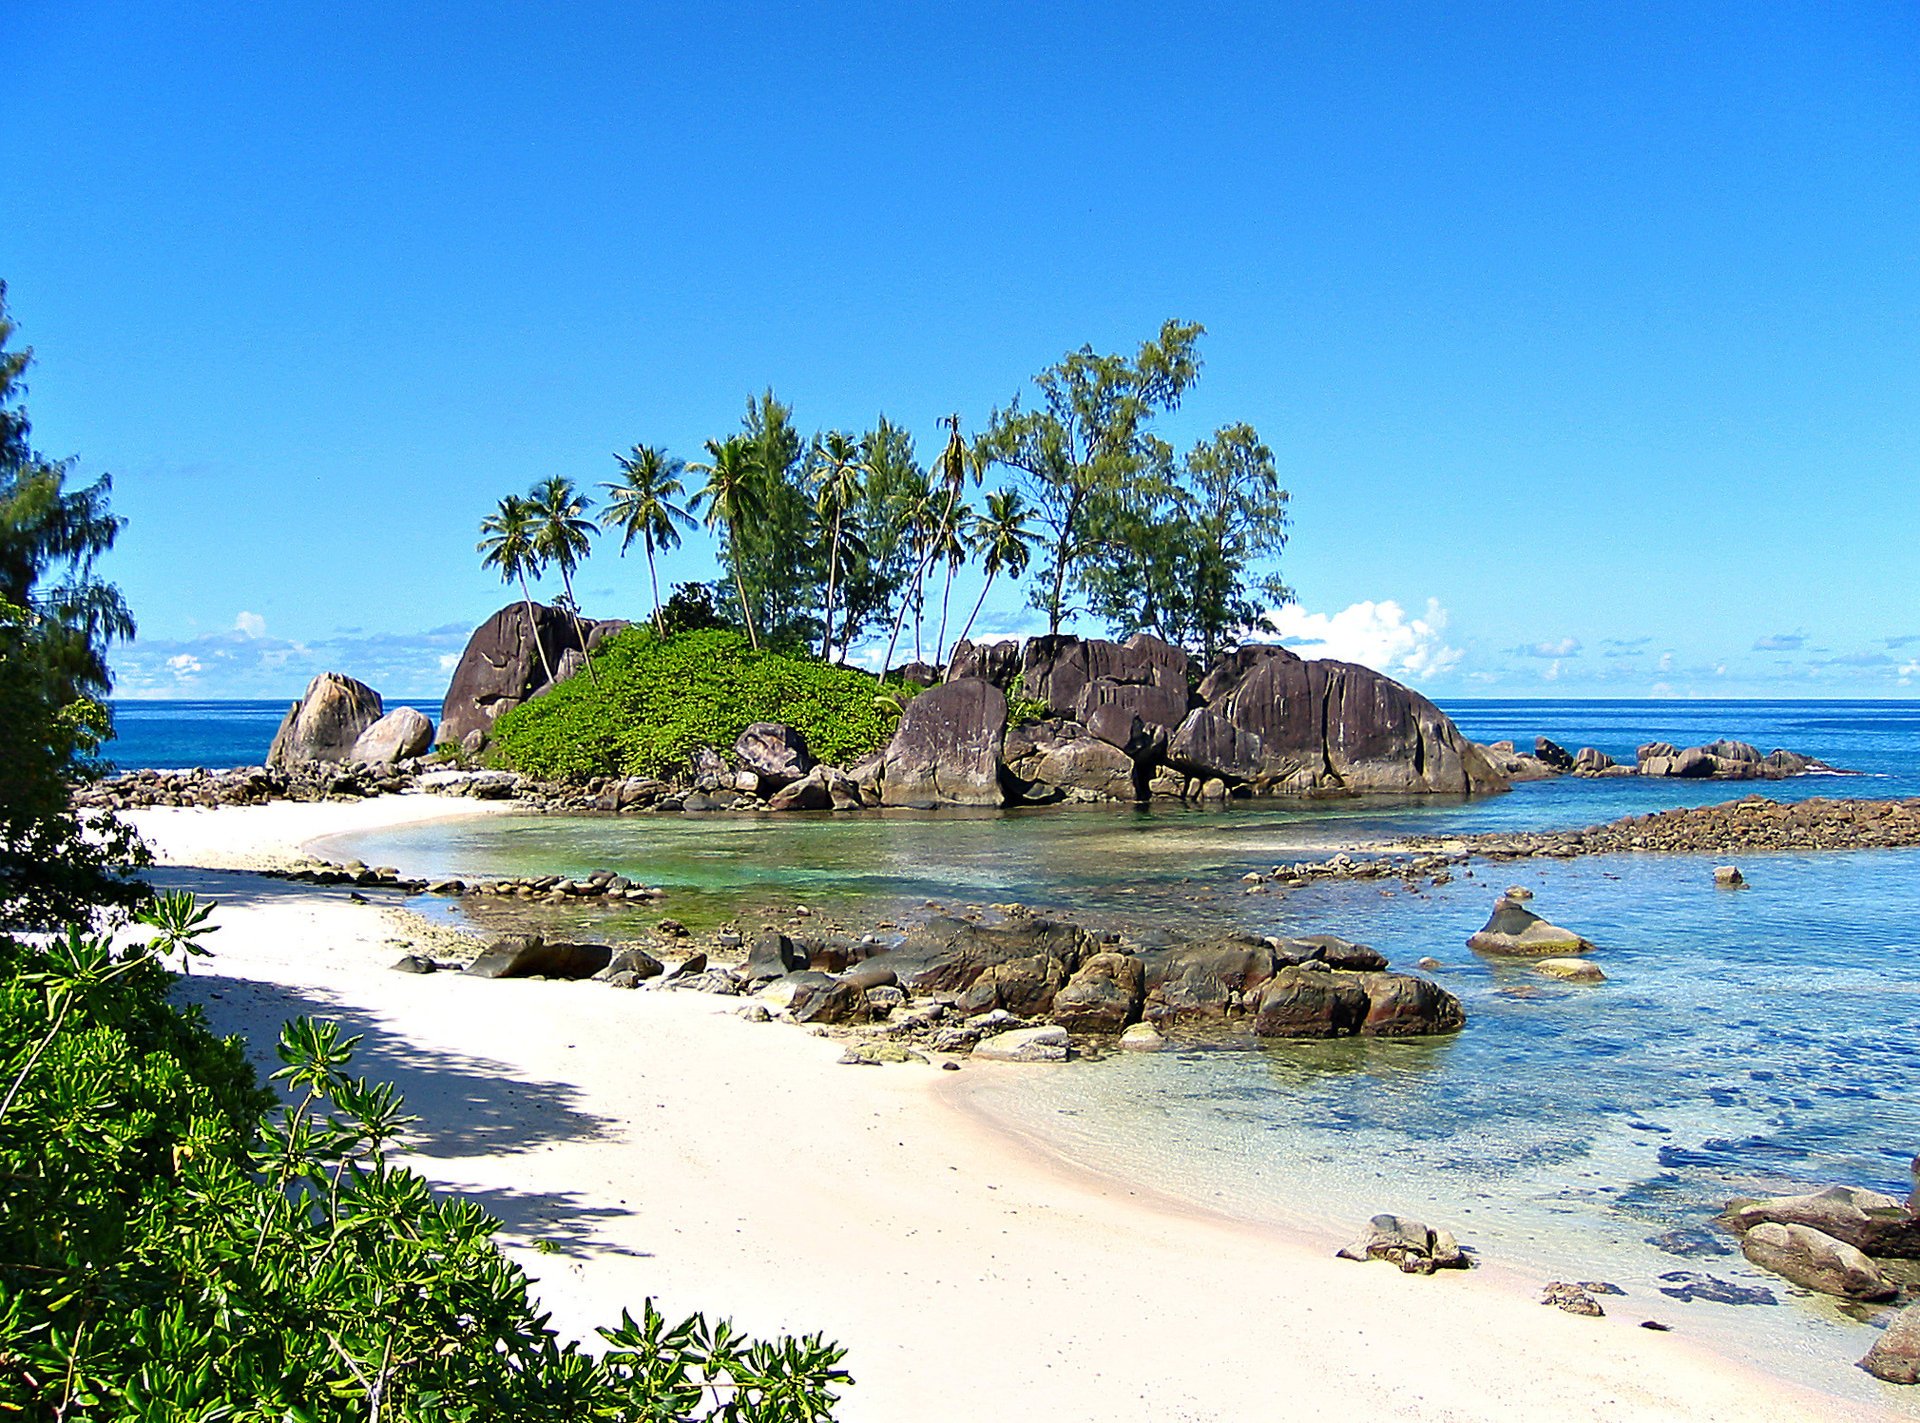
{"x": 467, "y": 1105}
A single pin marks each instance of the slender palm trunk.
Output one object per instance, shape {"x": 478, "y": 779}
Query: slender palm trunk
{"x": 653, "y": 577}
{"x": 833, "y": 578}
{"x": 533, "y": 628}
{"x": 579, "y": 633}
{"x": 939, "y": 647}
{"x": 746, "y": 613}
{"x": 976, "y": 605}
{"x": 1059, "y": 587}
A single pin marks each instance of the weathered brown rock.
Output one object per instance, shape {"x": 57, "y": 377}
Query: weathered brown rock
{"x": 1206, "y": 744}
{"x": 1103, "y": 996}
{"x": 946, "y": 955}
{"x": 530, "y": 956}
{"x": 946, "y": 750}
{"x": 997, "y": 662}
{"x": 1895, "y": 1355}
{"x": 773, "y": 751}
{"x": 325, "y": 724}
{"x": 1206, "y": 979}
{"x": 820, "y": 999}
{"x": 1058, "y": 760}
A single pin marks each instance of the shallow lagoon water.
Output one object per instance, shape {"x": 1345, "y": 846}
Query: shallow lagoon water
{"x": 1753, "y": 1041}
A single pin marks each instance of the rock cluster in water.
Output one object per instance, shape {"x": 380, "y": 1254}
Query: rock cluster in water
{"x": 1723, "y": 760}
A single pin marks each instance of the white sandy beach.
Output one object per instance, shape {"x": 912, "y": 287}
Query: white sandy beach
{"x": 664, "y": 1147}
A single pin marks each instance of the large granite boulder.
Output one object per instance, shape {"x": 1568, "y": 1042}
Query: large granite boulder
{"x": 501, "y": 667}
{"x": 1061, "y": 760}
{"x": 400, "y": 735}
{"x": 326, "y": 723}
{"x": 946, "y": 750}
{"x": 1816, "y": 1260}
{"x": 1868, "y": 1221}
{"x": 1326, "y": 726}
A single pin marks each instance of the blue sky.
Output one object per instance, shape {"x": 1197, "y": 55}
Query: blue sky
{"x": 1587, "y": 338}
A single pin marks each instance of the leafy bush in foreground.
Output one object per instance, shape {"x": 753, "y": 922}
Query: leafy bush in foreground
{"x": 660, "y": 700}
{"x": 170, "y": 1252}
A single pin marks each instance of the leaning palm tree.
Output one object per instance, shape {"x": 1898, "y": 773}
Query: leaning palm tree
{"x": 1004, "y": 539}
{"x": 640, "y": 505}
{"x": 506, "y": 540}
{"x": 955, "y": 543}
{"x": 914, "y": 502}
{"x": 842, "y": 470}
{"x": 562, "y": 534}
{"x": 732, "y": 496}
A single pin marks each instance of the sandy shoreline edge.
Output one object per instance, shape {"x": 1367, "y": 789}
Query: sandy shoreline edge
{"x": 660, "y": 1145}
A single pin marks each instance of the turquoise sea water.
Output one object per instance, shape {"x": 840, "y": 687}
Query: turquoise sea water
{"x": 1746, "y": 1042}
{"x": 173, "y": 735}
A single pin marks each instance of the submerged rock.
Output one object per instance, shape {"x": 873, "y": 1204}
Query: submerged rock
{"x": 1570, "y": 970}
{"x": 1047, "y": 1044}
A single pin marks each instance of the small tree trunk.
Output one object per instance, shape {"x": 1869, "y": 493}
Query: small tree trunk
{"x": 939, "y": 647}
{"x": 746, "y": 613}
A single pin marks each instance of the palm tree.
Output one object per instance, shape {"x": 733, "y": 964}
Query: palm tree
{"x": 1004, "y": 539}
{"x": 732, "y": 498}
{"x": 640, "y": 505}
{"x": 842, "y": 470}
{"x": 954, "y": 543}
{"x": 562, "y": 535}
{"x": 507, "y": 543}
{"x": 914, "y": 503}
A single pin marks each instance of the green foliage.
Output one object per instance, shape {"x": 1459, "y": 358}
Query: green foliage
{"x": 51, "y": 868}
{"x": 170, "y": 1251}
{"x": 1090, "y": 443}
{"x": 659, "y": 701}
{"x": 1023, "y": 710}
{"x": 692, "y": 608}
{"x": 51, "y": 535}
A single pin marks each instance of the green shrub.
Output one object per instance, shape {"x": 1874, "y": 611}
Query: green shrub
{"x": 659, "y": 701}
{"x": 170, "y": 1252}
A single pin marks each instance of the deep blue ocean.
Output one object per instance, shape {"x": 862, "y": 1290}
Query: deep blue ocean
{"x": 1757, "y": 1041}
{"x": 215, "y": 734}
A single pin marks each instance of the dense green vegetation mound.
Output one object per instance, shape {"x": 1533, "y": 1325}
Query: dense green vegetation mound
{"x": 659, "y": 700}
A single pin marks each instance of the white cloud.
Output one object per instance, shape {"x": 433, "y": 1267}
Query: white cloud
{"x": 1557, "y": 648}
{"x": 250, "y": 625}
{"x": 185, "y": 665}
{"x": 1376, "y": 635}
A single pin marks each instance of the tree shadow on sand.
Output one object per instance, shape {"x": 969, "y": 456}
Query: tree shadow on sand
{"x": 468, "y": 1106}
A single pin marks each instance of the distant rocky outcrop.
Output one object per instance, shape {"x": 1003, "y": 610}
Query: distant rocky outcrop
{"x": 1127, "y": 723}
{"x": 502, "y": 665}
{"x": 325, "y": 724}
{"x": 1717, "y": 760}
